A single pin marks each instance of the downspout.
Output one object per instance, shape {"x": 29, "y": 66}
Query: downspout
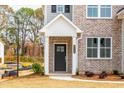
{"x": 122, "y": 36}
{"x": 77, "y": 49}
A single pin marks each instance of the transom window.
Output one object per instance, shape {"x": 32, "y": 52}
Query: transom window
{"x": 99, "y": 48}
{"x": 99, "y": 11}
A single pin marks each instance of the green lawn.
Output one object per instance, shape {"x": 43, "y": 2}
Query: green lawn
{"x": 36, "y": 81}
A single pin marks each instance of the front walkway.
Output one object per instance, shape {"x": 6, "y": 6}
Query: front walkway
{"x": 70, "y": 78}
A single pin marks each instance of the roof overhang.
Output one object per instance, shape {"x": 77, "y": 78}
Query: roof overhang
{"x": 57, "y": 21}
{"x": 120, "y": 14}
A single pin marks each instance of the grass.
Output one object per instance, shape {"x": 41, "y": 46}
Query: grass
{"x": 36, "y": 81}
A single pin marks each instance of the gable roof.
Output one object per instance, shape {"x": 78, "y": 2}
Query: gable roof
{"x": 66, "y": 19}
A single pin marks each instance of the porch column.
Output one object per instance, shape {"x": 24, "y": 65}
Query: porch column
{"x": 74, "y": 57}
{"x": 122, "y": 45}
{"x": 46, "y": 56}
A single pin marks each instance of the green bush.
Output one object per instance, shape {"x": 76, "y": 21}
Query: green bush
{"x": 77, "y": 72}
{"x": 37, "y": 68}
{"x": 115, "y": 72}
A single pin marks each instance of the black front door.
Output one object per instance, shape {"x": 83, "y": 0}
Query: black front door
{"x": 60, "y": 57}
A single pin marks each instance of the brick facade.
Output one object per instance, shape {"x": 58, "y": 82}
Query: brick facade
{"x": 98, "y": 28}
{"x": 91, "y": 28}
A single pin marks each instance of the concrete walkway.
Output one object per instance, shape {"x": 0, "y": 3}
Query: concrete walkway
{"x": 69, "y": 78}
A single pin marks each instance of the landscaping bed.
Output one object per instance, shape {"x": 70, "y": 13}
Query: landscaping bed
{"x": 96, "y": 77}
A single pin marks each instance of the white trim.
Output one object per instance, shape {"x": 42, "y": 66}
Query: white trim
{"x": 98, "y": 52}
{"x": 46, "y": 56}
{"x": 99, "y": 17}
{"x": 45, "y": 14}
{"x": 72, "y": 13}
{"x": 74, "y": 56}
{"x": 65, "y": 18}
{"x": 54, "y": 55}
{"x": 2, "y": 53}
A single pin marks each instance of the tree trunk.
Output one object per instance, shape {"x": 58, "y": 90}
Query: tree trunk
{"x": 34, "y": 52}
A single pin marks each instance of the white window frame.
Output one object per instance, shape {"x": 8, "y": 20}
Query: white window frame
{"x": 60, "y": 11}
{"x": 98, "y": 52}
{"x": 99, "y": 13}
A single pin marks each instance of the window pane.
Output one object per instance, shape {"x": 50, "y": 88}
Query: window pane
{"x": 108, "y": 12}
{"x": 108, "y": 42}
{"x": 89, "y": 12}
{"x": 89, "y": 42}
{"x": 102, "y": 42}
{"x": 95, "y": 12}
{"x": 94, "y": 52}
{"x": 89, "y": 52}
{"x": 95, "y": 42}
{"x": 102, "y": 53}
{"x": 103, "y": 14}
{"x": 92, "y": 11}
{"x": 108, "y": 53}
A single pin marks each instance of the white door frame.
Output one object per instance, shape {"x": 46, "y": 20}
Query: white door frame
{"x": 54, "y": 55}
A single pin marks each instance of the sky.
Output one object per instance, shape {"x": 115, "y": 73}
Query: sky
{"x": 16, "y": 7}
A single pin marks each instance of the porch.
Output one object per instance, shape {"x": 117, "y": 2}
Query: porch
{"x": 61, "y": 46}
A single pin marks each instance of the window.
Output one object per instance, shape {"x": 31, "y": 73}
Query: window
{"x": 60, "y": 9}
{"x": 92, "y": 11}
{"x": 99, "y": 48}
{"x": 53, "y": 8}
{"x": 105, "y": 11}
{"x": 67, "y": 8}
{"x": 99, "y": 11}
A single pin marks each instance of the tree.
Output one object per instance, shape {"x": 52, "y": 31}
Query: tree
{"x": 36, "y": 24}
{"x": 24, "y": 15}
{"x": 4, "y": 23}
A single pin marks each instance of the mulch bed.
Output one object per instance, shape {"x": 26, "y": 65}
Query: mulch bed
{"x": 96, "y": 77}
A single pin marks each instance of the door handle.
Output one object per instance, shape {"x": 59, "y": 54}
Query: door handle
{"x": 65, "y": 58}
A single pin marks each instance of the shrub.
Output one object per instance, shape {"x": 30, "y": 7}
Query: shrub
{"x": 37, "y": 68}
{"x": 77, "y": 72}
{"x": 115, "y": 72}
{"x": 103, "y": 75}
{"x": 89, "y": 74}
{"x": 122, "y": 75}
